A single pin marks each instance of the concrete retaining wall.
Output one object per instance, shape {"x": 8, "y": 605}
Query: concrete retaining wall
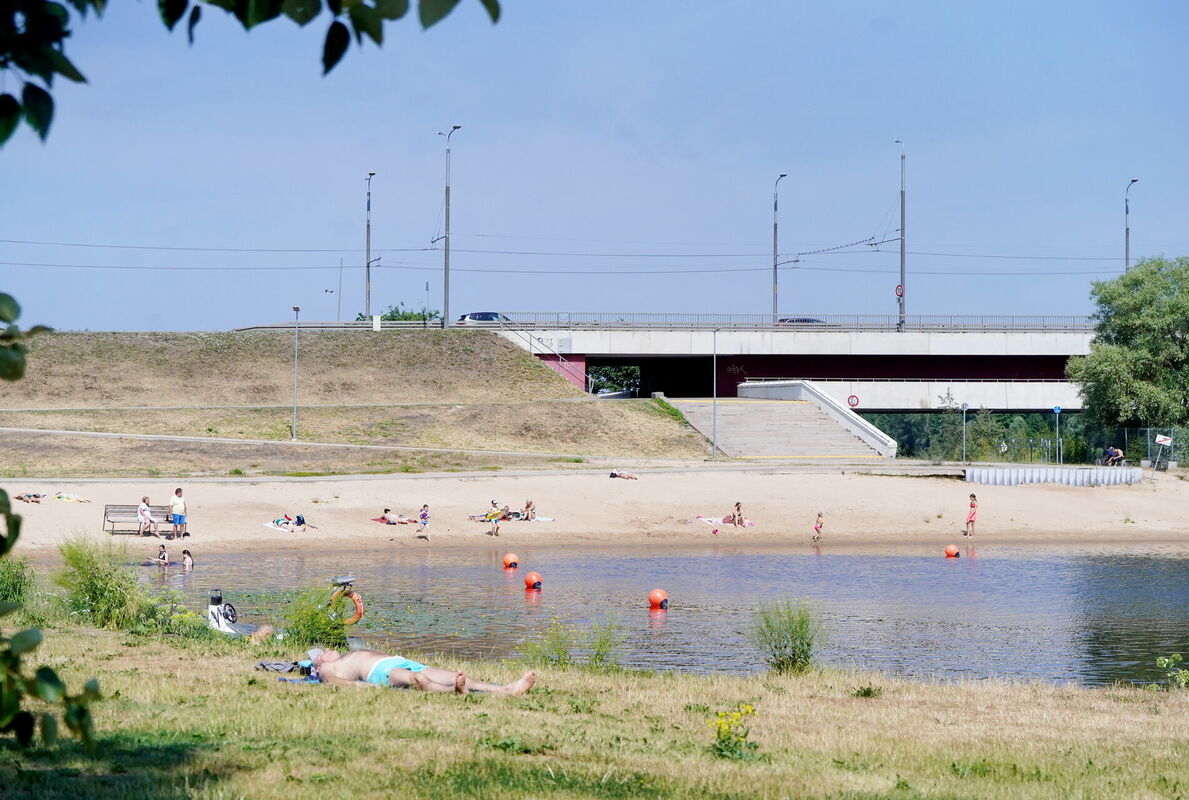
{"x": 1070, "y": 476}
{"x": 804, "y": 390}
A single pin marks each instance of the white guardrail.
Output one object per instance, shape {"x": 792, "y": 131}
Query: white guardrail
{"x": 575, "y": 320}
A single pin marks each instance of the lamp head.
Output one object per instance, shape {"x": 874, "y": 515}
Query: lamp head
{"x": 1134, "y": 180}
{"x": 456, "y": 127}
{"x": 371, "y": 174}
{"x": 784, "y": 174}
{"x": 297, "y": 308}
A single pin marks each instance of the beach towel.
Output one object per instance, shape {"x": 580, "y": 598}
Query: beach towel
{"x": 275, "y": 528}
{"x": 541, "y": 519}
{"x": 399, "y": 521}
{"x": 718, "y": 521}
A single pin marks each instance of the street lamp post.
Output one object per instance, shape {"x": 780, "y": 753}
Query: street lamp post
{"x": 1127, "y": 226}
{"x": 775, "y": 274}
{"x": 903, "y": 289}
{"x": 367, "y": 270}
{"x": 446, "y": 236}
{"x": 296, "y": 325}
{"x": 714, "y": 401}
{"x": 965, "y": 408}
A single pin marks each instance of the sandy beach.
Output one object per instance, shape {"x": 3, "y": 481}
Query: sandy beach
{"x": 660, "y": 508}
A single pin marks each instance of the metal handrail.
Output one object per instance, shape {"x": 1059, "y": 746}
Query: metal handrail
{"x": 913, "y": 380}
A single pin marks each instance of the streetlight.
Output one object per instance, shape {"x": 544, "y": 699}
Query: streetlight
{"x": 296, "y": 324}
{"x": 903, "y": 174}
{"x": 1127, "y": 227}
{"x": 775, "y": 279}
{"x": 714, "y": 401}
{"x": 446, "y": 236}
{"x": 367, "y": 270}
{"x": 965, "y": 408}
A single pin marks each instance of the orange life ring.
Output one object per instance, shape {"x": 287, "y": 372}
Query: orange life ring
{"x": 355, "y": 598}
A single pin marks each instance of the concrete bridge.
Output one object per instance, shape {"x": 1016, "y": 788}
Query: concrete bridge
{"x": 999, "y": 363}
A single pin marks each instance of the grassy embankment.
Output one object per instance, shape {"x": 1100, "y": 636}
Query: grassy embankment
{"x": 428, "y": 389}
{"x": 191, "y": 719}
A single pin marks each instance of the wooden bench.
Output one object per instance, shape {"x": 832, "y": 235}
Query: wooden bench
{"x": 122, "y": 519}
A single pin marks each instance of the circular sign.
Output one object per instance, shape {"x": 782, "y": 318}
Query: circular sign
{"x": 1056, "y": 409}
{"x": 899, "y": 290}
{"x": 965, "y": 407}
{"x": 853, "y": 400}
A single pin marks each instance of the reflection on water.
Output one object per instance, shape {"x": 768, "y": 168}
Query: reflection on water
{"x": 998, "y": 612}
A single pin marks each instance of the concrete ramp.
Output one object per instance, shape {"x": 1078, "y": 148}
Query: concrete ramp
{"x": 797, "y": 429}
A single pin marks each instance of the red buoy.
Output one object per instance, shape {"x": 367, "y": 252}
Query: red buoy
{"x": 658, "y": 598}
{"x": 511, "y": 561}
{"x": 532, "y": 580}
{"x": 951, "y": 551}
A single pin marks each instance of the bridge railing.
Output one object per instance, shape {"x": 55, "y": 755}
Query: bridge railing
{"x": 641, "y": 320}
{"x": 578, "y": 320}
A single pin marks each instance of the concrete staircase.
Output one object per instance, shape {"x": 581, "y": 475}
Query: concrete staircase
{"x": 775, "y": 429}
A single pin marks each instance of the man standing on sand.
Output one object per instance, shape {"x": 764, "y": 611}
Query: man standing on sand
{"x": 372, "y": 668}
{"x": 177, "y": 512}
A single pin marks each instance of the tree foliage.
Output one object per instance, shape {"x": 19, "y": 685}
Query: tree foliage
{"x": 1137, "y": 371}
{"x": 33, "y": 34}
{"x": 17, "y": 687}
{"x": 398, "y": 313}
{"x": 613, "y": 379}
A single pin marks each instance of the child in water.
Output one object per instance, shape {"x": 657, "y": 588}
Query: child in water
{"x": 162, "y": 556}
{"x": 970, "y": 515}
{"x": 187, "y": 560}
{"x": 817, "y": 527}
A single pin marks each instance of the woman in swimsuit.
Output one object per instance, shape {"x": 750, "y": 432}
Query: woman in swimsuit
{"x": 529, "y": 512}
{"x": 817, "y": 527}
{"x": 162, "y": 556}
{"x": 187, "y": 560}
{"x": 970, "y": 515}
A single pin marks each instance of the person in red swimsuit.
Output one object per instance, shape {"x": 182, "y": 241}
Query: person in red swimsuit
{"x": 970, "y": 515}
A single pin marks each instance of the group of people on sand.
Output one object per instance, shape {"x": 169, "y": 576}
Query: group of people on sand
{"x": 175, "y": 516}
{"x": 422, "y": 520}
{"x": 496, "y": 514}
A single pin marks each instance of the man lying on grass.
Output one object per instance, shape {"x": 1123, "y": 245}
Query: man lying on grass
{"x": 372, "y": 668}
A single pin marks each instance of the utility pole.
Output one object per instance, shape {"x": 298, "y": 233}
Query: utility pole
{"x": 446, "y": 236}
{"x": 1127, "y": 227}
{"x": 775, "y": 274}
{"x": 296, "y": 327}
{"x": 338, "y": 312}
{"x": 367, "y": 270}
{"x": 903, "y": 290}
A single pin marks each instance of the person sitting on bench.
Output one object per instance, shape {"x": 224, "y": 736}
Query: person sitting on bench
{"x": 373, "y": 668}
{"x": 144, "y": 515}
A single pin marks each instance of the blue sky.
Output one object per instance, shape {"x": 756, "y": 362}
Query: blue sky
{"x": 614, "y": 137}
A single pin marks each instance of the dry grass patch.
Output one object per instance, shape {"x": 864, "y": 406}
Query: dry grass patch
{"x": 188, "y": 722}
{"x": 255, "y": 368}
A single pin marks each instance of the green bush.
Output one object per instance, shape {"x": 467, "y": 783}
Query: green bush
{"x": 308, "y": 621}
{"x": 560, "y": 644}
{"x": 99, "y": 584}
{"x": 787, "y": 634}
{"x": 16, "y": 579}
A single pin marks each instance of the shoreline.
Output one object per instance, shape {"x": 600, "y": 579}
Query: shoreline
{"x": 863, "y": 512}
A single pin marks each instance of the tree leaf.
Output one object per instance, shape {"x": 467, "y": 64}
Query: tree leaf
{"x": 262, "y": 11}
{"x": 12, "y": 364}
{"x": 49, "y": 728}
{"x": 195, "y": 15}
{"x": 49, "y": 686}
{"x": 172, "y": 11}
{"x": 39, "y": 109}
{"x": 63, "y": 67}
{"x": 10, "y": 309}
{"x": 493, "y": 9}
{"x": 302, "y": 11}
{"x": 24, "y": 641}
{"x": 365, "y": 20}
{"x": 337, "y": 39}
{"x": 434, "y": 11}
{"x": 392, "y": 9}
{"x": 8, "y": 608}
{"x": 10, "y": 116}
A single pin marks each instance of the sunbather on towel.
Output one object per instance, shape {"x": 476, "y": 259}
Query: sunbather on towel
{"x": 393, "y": 519}
{"x": 620, "y": 473}
{"x": 71, "y": 496}
{"x": 31, "y": 497}
{"x": 295, "y": 524}
{"x": 373, "y": 668}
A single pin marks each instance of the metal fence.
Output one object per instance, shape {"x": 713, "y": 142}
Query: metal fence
{"x": 1140, "y": 443}
{"x": 636, "y": 320}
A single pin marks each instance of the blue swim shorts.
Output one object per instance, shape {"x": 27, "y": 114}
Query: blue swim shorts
{"x": 379, "y": 673}
{"x": 179, "y": 519}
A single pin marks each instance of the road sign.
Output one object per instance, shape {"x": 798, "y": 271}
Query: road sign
{"x": 853, "y": 400}
{"x": 1165, "y": 441}
{"x": 899, "y": 290}
{"x": 965, "y": 407}
{"x": 1056, "y": 409}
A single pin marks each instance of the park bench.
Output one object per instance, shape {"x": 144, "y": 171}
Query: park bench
{"x": 122, "y": 519}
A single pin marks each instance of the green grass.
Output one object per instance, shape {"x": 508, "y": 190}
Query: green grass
{"x": 192, "y": 719}
{"x": 669, "y": 410}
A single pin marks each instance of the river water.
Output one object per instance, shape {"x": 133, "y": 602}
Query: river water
{"x": 1090, "y": 616}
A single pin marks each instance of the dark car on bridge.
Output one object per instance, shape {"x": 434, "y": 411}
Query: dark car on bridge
{"x": 801, "y": 322}
{"x": 482, "y": 318}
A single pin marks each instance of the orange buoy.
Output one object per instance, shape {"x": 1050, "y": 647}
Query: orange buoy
{"x": 511, "y": 561}
{"x": 658, "y": 598}
{"x": 951, "y": 551}
{"x": 532, "y": 580}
